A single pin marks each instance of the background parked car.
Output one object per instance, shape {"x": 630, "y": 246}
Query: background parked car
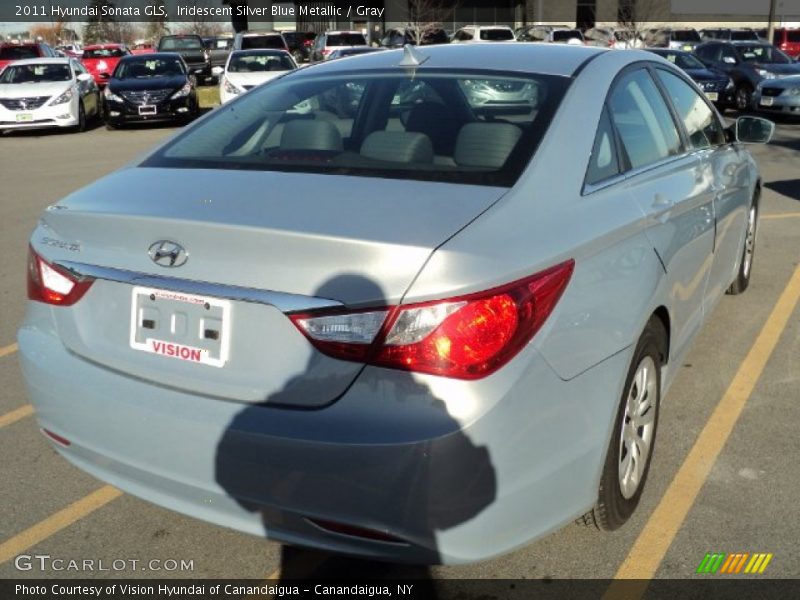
{"x": 246, "y": 69}
{"x": 726, "y": 34}
{"x": 12, "y": 52}
{"x": 779, "y": 96}
{"x": 192, "y": 51}
{"x": 788, "y": 40}
{"x": 101, "y": 60}
{"x": 219, "y": 49}
{"x": 612, "y": 37}
{"x": 299, "y": 44}
{"x": 747, "y": 63}
{"x": 151, "y": 87}
{"x": 565, "y": 36}
{"x": 536, "y": 33}
{"x": 40, "y": 93}
{"x": 142, "y": 47}
{"x": 72, "y": 50}
{"x": 327, "y": 42}
{"x": 483, "y": 33}
{"x": 717, "y": 86}
{"x": 253, "y": 40}
{"x": 678, "y": 39}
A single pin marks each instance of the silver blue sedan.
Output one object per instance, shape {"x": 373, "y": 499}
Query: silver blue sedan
{"x": 781, "y": 96}
{"x": 365, "y": 309}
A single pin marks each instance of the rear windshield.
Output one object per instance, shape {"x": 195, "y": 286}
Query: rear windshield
{"x": 218, "y": 44}
{"x": 744, "y": 36}
{"x": 180, "y": 44}
{"x": 565, "y": 36}
{"x": 39, "y": 73}
{"x": 104, "y": 53}
{"x": 686, "y": 35}
{"x": 466, "y": 127}
{"x": 496, "y": 35}
{"x": 262, "y": 41}
{"x": 346, "y": 39}
{"x": 258, "y": 62}
{"x": 18, "y": 52}
{"x": 146, "y": 68}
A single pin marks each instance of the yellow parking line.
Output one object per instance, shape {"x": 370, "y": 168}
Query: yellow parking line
{"x": 6, "y": 350}
{"x": 16, "y": 415}
{"x": 658, "y": 533}
{"x": 781, "y": 216}
{"x": 55, "y": 523}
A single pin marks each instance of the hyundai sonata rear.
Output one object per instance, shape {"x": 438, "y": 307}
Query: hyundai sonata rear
{"x": 353, "y": 309}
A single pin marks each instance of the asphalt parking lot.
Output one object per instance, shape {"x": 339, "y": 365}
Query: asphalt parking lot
{"x": 725, "y": 476}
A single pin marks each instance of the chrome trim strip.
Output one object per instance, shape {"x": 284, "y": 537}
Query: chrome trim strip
{"x": 284, "y": 302}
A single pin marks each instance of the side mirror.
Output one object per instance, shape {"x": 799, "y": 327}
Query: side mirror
{"x": 217, "y": 71}
{"x": 753, "y": 130}
{"x": 84, "y": 77}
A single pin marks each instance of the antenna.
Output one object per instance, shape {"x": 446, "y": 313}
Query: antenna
{"x": 412, "y": 57}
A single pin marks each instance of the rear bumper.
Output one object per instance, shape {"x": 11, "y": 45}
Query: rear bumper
{"x": 459, "y": 471}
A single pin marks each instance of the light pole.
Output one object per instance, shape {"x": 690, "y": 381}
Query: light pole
{"x": 771, "y": 22}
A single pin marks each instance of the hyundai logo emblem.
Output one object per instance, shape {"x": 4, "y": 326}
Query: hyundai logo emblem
{"x": 168, "y": 254}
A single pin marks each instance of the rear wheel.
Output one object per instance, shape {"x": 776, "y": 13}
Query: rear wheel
{"x": 742, "y": 281}
{"x": 631, "y": 447}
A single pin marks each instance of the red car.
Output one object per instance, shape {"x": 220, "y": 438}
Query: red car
{"x": 11, "y": 52}
{"x": 143, "y": 48}
{"x": 101, "y": 60}
{"x": 788, "y": 40}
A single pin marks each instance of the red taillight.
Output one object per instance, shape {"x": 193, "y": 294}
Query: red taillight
{"x": 52, "y": 285}
{"x": 326, "y": 51}
{"x": 466, "y": 337}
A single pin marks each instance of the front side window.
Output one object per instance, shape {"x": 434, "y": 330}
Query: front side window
{"x": 644, "y": 123}
{"x": 701, "y": 123}
{"x": 426, "y": 126}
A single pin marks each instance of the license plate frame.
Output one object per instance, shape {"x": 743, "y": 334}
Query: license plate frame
{"x": 25, "y": 118}
{"x": 767, "y": 101}
{"x": 713, "y": 96}
{"x": 148, "y": 110}
{"x": 195, "y": 312}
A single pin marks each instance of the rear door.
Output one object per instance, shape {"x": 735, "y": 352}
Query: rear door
{"x": 668, "y": 182}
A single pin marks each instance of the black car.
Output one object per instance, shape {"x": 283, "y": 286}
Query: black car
{"x": 716, "y": 85}
{"x": 191, "y": 49}
{"x": 747, "y": 64}
{"x": 299, "y": 44}
{"x": 150, "y": 87}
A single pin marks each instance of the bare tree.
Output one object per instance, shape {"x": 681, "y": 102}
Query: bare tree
{"x": 640, "y": 16}
{"x": 203, "y": 25}
{"x": 425, "y": 16}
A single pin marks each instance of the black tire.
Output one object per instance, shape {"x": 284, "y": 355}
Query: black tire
{"x": 81, "y": 126}
{"x": 615, "y": 506}
{"x": 743, "y": 99}
{"x": 742, "y": 281}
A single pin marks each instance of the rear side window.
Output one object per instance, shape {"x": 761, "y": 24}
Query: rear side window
{"x": 701, "y": 123}
{"x": 644, "y": 123}
{"x": 603, "y": 162}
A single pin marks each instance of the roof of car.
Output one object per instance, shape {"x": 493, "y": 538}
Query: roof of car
{"x": 103, "y": 46}
{"x": 57, "y": 60}
{"x": 550, "y": 59}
